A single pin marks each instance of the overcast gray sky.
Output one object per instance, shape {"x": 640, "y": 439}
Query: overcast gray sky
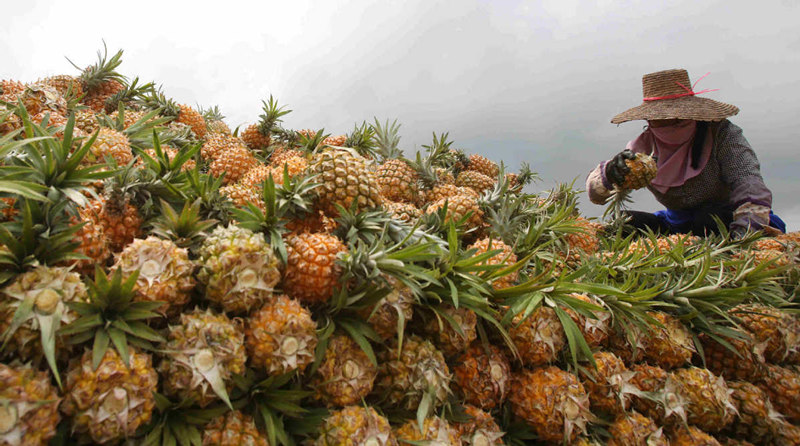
{"x": 519, "y": 81}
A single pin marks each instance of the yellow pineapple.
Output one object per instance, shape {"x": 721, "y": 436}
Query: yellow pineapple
{"x": 747, "y": 365}
{"x": 100, "y": 81}
{"x": 405, "y": 376}
{"x": 406, "y": 212}
{"x": 281, "y": 336}
{"x": 201, "y": 355}
{"x": 441, "y": 331}
{"x": 690, "y": 436}
{"x": 345, "y": 178}
{"x": 755, "y": 418}
{"x": 384, "y": 317}
{"x": 397, "y": 180}
{"x": 28, "y": 406}
{"x": 355, "y": 425}
{"x": 459, "y": 208}
{"x": 92, "y": 241}
{"x": 595, "y": 330}
{"x": 660, "y": 402}
{"x": 254, "y": 138}
{"x": 635, "y": 429}
{"x": 505, "y": 257}
{"x": 233, "y": 429}
{"x": 642, "y": 171}
{"x": 165, "y": 272}
{"x": 111, "y": 402}
{"x": 216, "y": 144}
{"x": 667, "y": 342}
{"x": 475, "y": 180}
{"x": 482, "y": 376}
{"x": 234, "y": 164}
{"x": 782, "y": 385}
{"x": 346, "y": 374}
{"x": 539, "y": 338}
{"x": 483, "y": 165}
{"x": 311, "y": 273}
{"x": 435, "y": 431}
{"x": 242, "y": 195}
{"x": 776, "y": 329}
{"x": 35, "y": 306}
{"x": 120, "y": 220}
{"x": 38, "y": 98}
{"x": 480, "y": 430}
{"x": 552, "y": 402}
{"x": 238, "y": 269}
{"x": 608, "y": 385}
{"x": 708, "y": 401}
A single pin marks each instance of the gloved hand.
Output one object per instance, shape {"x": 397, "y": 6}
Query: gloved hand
{"x": 616, "y": 169}
{"x": 738, "y": 232}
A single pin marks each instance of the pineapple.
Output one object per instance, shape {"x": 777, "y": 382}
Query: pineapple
{"x": 480, "y": 430}
{"x": 747, "y": 364}
{"x": 551, "y": 401}
{"x": 635, "y": 429}
{"x": 214, "y": 121}
{"x": 481, "y": 376}
{"x": 110, "y": 402}
{"x": 405, "y": 212}
{"x": 667, "y": 342}
{"x": 281, "y": 336}
{"x": 585, "y": 238}
{"x": 435, "y": 431}
{"x": 642, "y": 170}
{"x": 384, "y": 317}
{"x": 785, "y": 433}
{"x": 257, "y": 175}
{"x": 755, "y": 416}
{"x": 10, "y": 90}
{"x": 312, "y": 274}
{"x": 181, "y": 113}
{"x": 257, "y": 136}
{"x": 237, "y": 268}
{"x": 709, "y": 405}
{"x": 233, "y": 429}
{"x": 32, "y": 309}
{"x": 38, "y": 98}
{"x": 355, "y": 425}
{"x": 99, "y": 81}
{"x": 119, "y": 219}
{"x": 397, "y": 180}
{"x": 657, "y": 397}
{"x": 475, "y": 180}
{"x": 483, "y": 165}
{"x": 447, "y": 339}
{"x": 165, "y": 272}
{"x": 171, "y": 153}
{"x": 234, "y": 164}
{"x": 346, "y": 180}
{"x": 778, "y": 330}
{"x": 242, "y": 195}
{"x": 505, "y": 257}
{"x": 28, "y": 406}
{"x": 608, "y": 385}
{"x": 595, "y": 330}
{"x": 539, "y": 338}
{"x": 346, "y": 374}
{"x": 691, "y": 436}
{"x": 460, "y": 208}
{"x": 782, "y": 385}
{"x": 216, "y": 144}
{"x": 417, "y": 370}
{"x": 111, "y": 143}
{"x": 201, "y": 355}
{"x": 86, "y": 120}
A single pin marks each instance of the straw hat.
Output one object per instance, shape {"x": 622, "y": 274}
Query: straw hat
{"x": 668, "y": 94}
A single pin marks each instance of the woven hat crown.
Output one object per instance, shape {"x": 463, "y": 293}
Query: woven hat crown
{"x": 665, "y": 83}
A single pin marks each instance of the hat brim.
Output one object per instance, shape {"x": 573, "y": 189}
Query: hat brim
{"x": 688, "y": 107}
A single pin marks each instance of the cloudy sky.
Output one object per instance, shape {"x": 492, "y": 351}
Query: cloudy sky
{"x": 517, "y": 81}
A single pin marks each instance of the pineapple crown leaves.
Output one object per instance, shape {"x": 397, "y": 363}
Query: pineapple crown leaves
{"x": 272, "y": 401}
{"x": 186, "y": 229}
{"x": 361, "y": 139}
{"x": 312, "y": 144}
{"x": 204, "y": 189}
{"x": 45, "y": 164}
{"x": 178, "y": 423}
{"x": 168, "y": 169}
{"x": 526, "y": 175}
{"x": 267, "y": 221}
{"x": 112, "y": 317}
{"x": 211, "y": 113}
{"x": 41, "y": 235}
{"x": 130, "y": 93}
{"x": 139, "y": 132}
{"x": 103, "y": 70}
{"x": 155, "y": 99}
{"x": 386, "y": 138}
{"x": 271, "y": 115}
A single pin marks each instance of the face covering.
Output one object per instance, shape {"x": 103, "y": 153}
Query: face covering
{"x": 672, "y": 145}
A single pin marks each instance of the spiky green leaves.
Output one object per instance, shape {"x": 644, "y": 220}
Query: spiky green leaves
{"x": 111, "y": 317}
{"x": 186, "y": 229}
{"x": 102, "y": 71}
{"x": 271, "y": 115}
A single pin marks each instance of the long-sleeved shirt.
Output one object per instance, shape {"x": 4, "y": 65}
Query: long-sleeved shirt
{"x": 732, "y": 176}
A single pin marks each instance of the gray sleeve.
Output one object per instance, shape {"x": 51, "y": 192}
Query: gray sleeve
{"x": 740, "y": 170}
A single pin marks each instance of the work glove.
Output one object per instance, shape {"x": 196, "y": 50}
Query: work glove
{"x": 616, "y": 169}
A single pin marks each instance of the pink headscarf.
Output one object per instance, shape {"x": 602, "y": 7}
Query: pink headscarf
{"x": 673, "y": 147}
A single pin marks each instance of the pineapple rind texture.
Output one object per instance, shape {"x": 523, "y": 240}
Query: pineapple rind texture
{"x": 29, "y": 406}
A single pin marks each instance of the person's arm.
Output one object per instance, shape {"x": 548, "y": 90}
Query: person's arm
{"x": 741, "y": 171}
{"x": 597, "y": 185}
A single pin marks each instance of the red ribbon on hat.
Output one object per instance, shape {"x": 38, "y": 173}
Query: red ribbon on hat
{"x": 689, "y": 91}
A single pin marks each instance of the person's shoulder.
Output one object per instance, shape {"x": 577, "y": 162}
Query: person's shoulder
{"x": 726, "y": 129}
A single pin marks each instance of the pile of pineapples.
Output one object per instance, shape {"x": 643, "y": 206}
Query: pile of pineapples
{"x": 167, "y": 281}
